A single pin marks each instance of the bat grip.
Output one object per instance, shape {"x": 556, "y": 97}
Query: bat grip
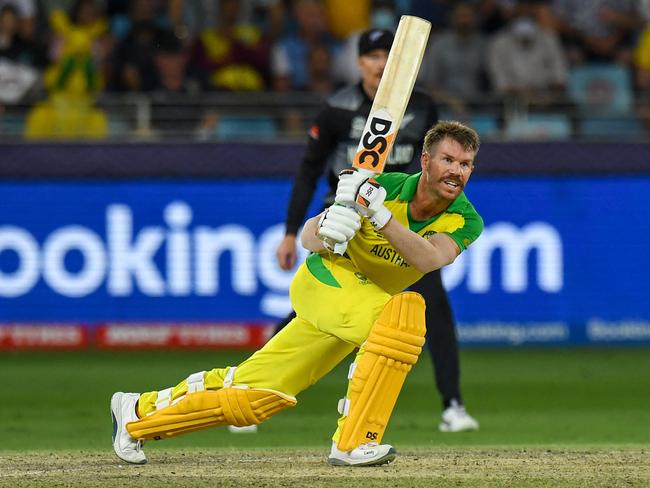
{"x": 340, "y": 247}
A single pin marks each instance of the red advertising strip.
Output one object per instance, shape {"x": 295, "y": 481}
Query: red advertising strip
{"x": 43, "y": 336}
{"x": 186, "y": 335}
{"x": 130, "y": 335}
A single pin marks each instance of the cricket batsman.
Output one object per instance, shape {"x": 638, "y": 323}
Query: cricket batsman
{"x": 397, "y": 227}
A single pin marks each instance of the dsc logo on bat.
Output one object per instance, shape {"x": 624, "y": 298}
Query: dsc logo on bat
{"x": 375, "y": 142}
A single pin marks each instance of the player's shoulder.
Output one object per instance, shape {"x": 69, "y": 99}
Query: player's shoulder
{"x": 347, "y": 98}
{"x": 463, "y": 206}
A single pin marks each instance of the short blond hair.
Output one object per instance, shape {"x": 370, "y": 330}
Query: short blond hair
{"x": 462, "y": 134}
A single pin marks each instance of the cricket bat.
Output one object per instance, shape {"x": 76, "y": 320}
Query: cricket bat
{"x": 392, "y": 97}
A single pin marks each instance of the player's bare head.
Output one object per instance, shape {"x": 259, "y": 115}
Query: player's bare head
{"x": 465, "y": 136}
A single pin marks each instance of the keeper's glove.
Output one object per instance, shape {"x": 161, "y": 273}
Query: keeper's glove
{"x": 358, "y": 189}
{"x": 338, "y": 225}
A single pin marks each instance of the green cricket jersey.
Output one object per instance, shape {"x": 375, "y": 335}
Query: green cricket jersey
{"x": 376, "y": 258}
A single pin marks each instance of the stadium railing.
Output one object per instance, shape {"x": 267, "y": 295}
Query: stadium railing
{"x": 285, "y": 117}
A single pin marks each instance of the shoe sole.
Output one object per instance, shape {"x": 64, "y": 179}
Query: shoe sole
{"x": 116, "y": 400}
{"x": 385, "y": 459}
{"x": 445, "y": 428}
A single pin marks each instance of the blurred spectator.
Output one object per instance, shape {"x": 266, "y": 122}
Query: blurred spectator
{"x": 232, "y": 55}
{"x": 266, "y": 15}
{"x": 19, "y": 59}
{"x": 76, "y": 49}
{"x": 26, "y": 11}
{"x": 319, "y": 68}
{"x": 642, "y": 66}
{"x": 170, "y": 61}
{"x": 138, "y": 12}
{"x": 73, "y": 80}
{"x": 435, "y": 11}
{"x": 642, "y": 52}
{"x": 133, "y": 58}
{"x": 494, "y": 15}
{"x": 345, "y": 17}
{"x": 171, "y": 114}
{"x": 290, "y": 59}
{"x": 526, "y": 61}
{"x": 453, "y": 69}
{"x": 13, "y": 46}
{"x": 597, "y": 30}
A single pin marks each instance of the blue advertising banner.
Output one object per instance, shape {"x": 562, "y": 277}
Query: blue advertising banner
{"x": 561, "y": 260}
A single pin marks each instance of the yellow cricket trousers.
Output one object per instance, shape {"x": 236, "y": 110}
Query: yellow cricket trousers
{"x": 335, "y": 310}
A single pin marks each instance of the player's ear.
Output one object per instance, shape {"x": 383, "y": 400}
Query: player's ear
{"x": 424, "y": 161}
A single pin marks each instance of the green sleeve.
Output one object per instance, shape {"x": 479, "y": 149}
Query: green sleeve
{"x": 469, "y": 232}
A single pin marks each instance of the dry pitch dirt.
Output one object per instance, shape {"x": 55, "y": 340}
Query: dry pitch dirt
{"x": 289, "y": 468}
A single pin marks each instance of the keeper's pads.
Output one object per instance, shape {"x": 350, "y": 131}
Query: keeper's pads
{"x": 238, "y": 406}
{"x": 392, "y": 348}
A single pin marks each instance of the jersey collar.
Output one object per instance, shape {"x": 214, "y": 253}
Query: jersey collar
{"x": 410, "y": 186}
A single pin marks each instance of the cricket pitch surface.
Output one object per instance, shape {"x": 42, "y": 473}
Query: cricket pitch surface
{"x": 469, "y": 467}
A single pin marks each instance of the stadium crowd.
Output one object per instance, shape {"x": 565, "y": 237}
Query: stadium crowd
{"x": 544, "y": 53}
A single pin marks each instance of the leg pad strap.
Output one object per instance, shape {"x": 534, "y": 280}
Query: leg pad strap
{"x": 210, "y": 408}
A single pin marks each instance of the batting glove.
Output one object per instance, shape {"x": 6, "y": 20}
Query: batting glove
{"x": 337, "y": 225}
{"x": 350, "y": 180}
{"x": 366, "y": 194}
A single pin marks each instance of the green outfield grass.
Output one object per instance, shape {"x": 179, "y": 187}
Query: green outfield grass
{"x": 574, "y": 398}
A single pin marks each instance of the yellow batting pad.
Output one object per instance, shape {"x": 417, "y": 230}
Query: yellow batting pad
{"x": 211, "y": 408}
{"x": 391, "y": 350}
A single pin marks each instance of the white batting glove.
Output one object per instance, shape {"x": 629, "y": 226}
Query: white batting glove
{"x": 338, "y": 225}
{"x": 348, "y": 186}
{"x": 365, "y": 193}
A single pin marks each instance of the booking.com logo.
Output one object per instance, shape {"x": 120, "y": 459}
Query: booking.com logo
{"x": 123, "y": 259}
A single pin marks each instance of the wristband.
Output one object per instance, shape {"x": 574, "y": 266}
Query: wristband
{"x": 380, "y": 218}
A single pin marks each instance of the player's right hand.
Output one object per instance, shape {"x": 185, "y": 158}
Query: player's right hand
{"x": 337, "y": 225}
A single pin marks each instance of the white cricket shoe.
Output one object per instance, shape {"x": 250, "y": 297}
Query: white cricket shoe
{"x": 456, "y": 419}
{"x": 123, "y": 412}
{"x": 371, "y": 454}
{"x": 247, "y": 429}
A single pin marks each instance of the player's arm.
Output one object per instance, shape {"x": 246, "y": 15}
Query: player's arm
{"x": 308, "y": 238}
{"x": 425, "y": 255}
{"x": 367, "y": 196}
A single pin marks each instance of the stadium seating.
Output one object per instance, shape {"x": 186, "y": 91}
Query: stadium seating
{"x": 601, "y": 89}
{"x": 539, "y": 126}
{"x": 246, "y": 127}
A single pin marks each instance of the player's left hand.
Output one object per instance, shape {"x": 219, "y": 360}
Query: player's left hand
{"x": 350, "y": 180}
{"x": 356, "y": 188}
